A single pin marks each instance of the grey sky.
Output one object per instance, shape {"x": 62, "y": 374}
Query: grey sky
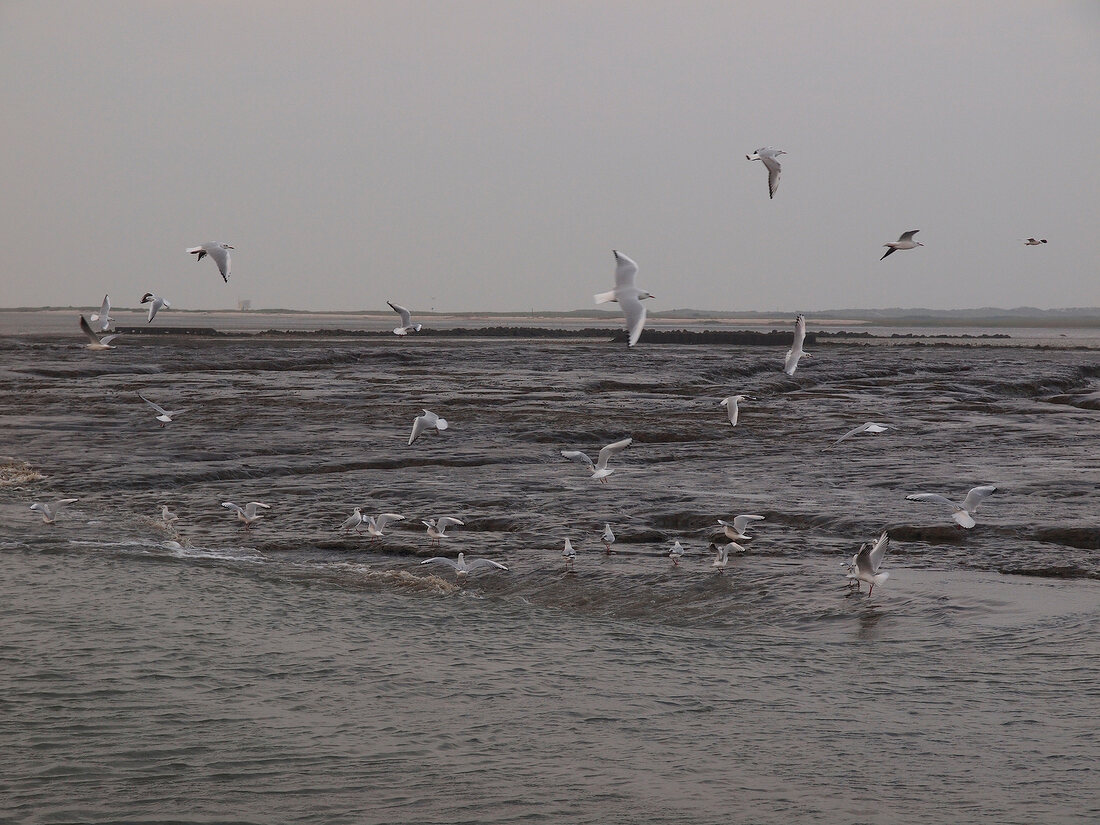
{"x": 489, "y": 155}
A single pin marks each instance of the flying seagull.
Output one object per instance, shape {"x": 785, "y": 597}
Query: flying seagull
{"x": 406, "y": 320}
{"x": 96, "y": 341}
{"x": 869, "y": 427}
{"x": 1028, "y": 242}
{"x": 628, "y": 296}
{"x": 49, "y": 510}
{"x": 163, "y": 416}
{"x": 156, "y": 303}
{"x": 600, "y": 469}
{"x": 437, "y": 528}
{"x": 790, "y": 363}
{"x": 735, "y": 531}
{"x": 768, "y": 156}
{"x": 865, "y": 566}
{"x": 905, "y": 241}
{"x": 462, "y": 567}
{"x": 247, "y": 515}
{"x": 731, "y": 406}
{"x": 219, "y": 254}
{"x": 428, "y": 421}
{"x": 103, "y": 317}
{"x": 963, "y": 514}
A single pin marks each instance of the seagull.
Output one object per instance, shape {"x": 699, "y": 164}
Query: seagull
{"x": 569, "y": 554}
{"x": 375, "y": 524}
{"x": 1028, "y": 242}
{"x": 723, "y": 558}
{"x": 163, "y": 416}
{"x": 429, "y": 420}
{"x": 731, "y": 406}
{"x": 248, "y": 516}
{"x": 790, "y": 364}
{"x": 768, "y": 156}
{"x": 628, "y": 296}
{"x": 608, "y": 538}
{"x": 963, "y": 514}
{"x": 437, "y": 528}
{"x": 95, "y": 341}
{"x": 104, "y": 315}
{"x": 904, "y": 241}
{"x": 462, "y": 567}
{"x": 352, "y": 521}
{"x": 406, "y": 320}
{"x": 599, "y": 469}
{"x": 676, "y": 553}
{"x": 156, "y": 303}
{"x": 736, "y": 530}
{"x": 865, "y": 565}
{"x": 218, "y": 253}
{"x": 50, "y": 510}
{"x": 869, "y": 427}
{"x": 167, "y": 516}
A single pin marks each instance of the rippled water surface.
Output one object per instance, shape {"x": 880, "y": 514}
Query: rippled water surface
{"x": 293, "y": 673}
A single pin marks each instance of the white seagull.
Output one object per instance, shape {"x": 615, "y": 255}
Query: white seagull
{"x": 462, "y": 567}
{"x": 156, "y": 303}
{"x": 353, "y": 521}
{"x": 768, "y": 156}
{"x": 608, "y": 538}
{"x": 735, "y": 531}
{"x": 963, "y": 514}
{"x": 1028, "y": 242}
{"x": 600, "y": 469}
{"x": 569, "y": 554}
{"x": 731, "y": 406}
{"x": 723, "y": 558}
{"x": 437, "y": 528}
{"x": 49, "y": 510}
{"x": 163, "y": 416}
{"x": 96, "y": 341}
{"x": 376, "y": 524}
{"x": 167, "y": 516}
{"x": 219, "y": 254}
{"x": 866, "y": 563}
{"x": 247, "y": 515}
{"x": 628, "y": 296}
{"x": 904, "y": 241}
{"x": 676, "y": 553}
{"x": 103, "y": 317}
{"x": 428, "y": 421}
{"x": 406, "y": 320}
{"x": 790, "y": 363}
{"x": 869, "y": 427}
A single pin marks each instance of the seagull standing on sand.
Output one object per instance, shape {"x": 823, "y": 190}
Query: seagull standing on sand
{"x": 569, "y": 554}
{"x": 462, "y": 567}
{"x": 406, "y": 320}
{"x": 103, "y": 317}
{"x": 963, "y": 513}
{"x": 49, "y": 510}
{"x": 156, "y": 303}
{"x": 437, "y": 528}
{"x": 219, "y": 254}
{"x": 676, "y": 553}
{"x": 768, "y": 156}
{"x": 905, "y": 241}
{"x": 375, "y": 524}
{"x": 790, "y": 363}
{"x": 428, "y": 421}
{"x": 96, "y": 341}
{"x": 247, "y": 515}
{"x": 865, "y": 565}
{"x": 869, "y": 427}
{"x": 167, "y": 516}
{"x": 1028, "y": 242}
{"x": 352, "y": 521}
{"x": 163, "y": 416}
{"x": 600, "y": 469}
{"x": 736, "y": 530}
{"x": 628, "y": 296}
{"x": 731, "y": 406}
{"x": 608, "y": 538}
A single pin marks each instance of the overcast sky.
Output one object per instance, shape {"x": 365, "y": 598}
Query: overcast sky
{"x": 489, "y": 155}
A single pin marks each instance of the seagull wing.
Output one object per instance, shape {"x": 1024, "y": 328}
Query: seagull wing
{"x": 907, "y": 236}
{"x": 156, "y": 407}
{"x": 419, "y": 426}
{"x": 934, "y": 497}
{"x": 229, "y": 505}
{"x": 221, "y": 257}
{"x": 635, "y": 312}
{"x": 474, "y": 564}
{"x": 444, "y": 522}
{"x": 610, "y": 450}
{"x": 861, "y": 428}
{"x": 799, "y": 332}
{"x": 385, "y": 518}
{"x": 87, "y": 330}
{"x": 975, "y": 497}
{"x": 451, "y": 562}
{"x": 625, "y": 270}
{"x": 578, "y": 456}
{"x": 877, "y": 551}
{"x": 773, "y": 174}
{"x": 250, "y": 508}
{"x": 741, "y": 522}
{"x": 406, "y": 316}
